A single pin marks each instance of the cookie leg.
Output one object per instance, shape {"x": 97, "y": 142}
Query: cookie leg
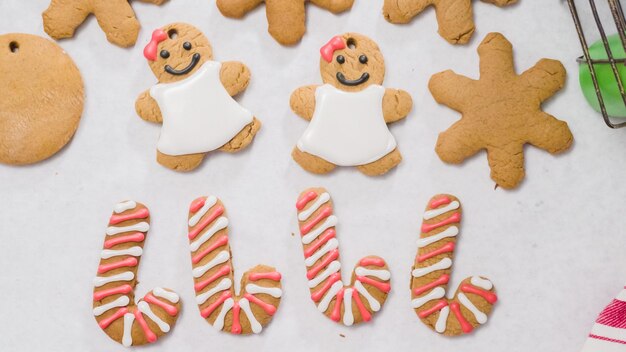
{"x": 550, "y": 134}
{"x": 236, "y": 8}
{"x": 507, "y": 165}
{"x": 286, "y": 20}
{"x": 455, "y": 18}
{"x": 312, "y": 163}
{"x": 243, "y": 138}
{"x": 457, "y": 143}
{"x": 180, "y": 162}
{"x": 60, "y": 20}
{"x": 117, "y": 20}
{"x": 402, "y": 11}
{"x": 383, "y": 165}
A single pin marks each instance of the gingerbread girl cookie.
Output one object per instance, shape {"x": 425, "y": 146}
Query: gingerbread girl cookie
{"x": 193, "y": 99}
{"x": 115, "y": 17}
{"x": 501, "y": 111}
{"x": 350, "y": 112}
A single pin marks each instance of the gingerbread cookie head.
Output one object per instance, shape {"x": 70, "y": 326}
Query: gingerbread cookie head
{"x": 177, "y": 51}
{"x": 352, "y": 62}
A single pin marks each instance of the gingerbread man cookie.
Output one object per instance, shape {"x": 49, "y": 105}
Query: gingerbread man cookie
{"x": 115, "y": 17}
{"x": 455, "y": 18}
{"x": 193, "y": 99}
{"x": 350, "y": 112}
{"x": 501, "y": 111}
{"x": 286, "y": 18}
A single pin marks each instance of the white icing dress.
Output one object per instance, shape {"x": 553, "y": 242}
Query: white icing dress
{"x": 348, "y": 129}
{"x": 198, "y": 113}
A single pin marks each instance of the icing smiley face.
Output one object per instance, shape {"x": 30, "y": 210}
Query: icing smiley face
{"x": 176, "y": 51}
{"x": 352, "y": 62}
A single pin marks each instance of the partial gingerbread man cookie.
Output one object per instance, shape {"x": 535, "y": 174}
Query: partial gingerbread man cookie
{"x": 123, "y": 320}
{"x": 501, "y": 111}
{"x": 42, "y": 98}
{"x": 220, "y": 304}
{"x": 115, "y": 17}
{"x": 193, "y": 99}
{"x": 473, "y": 301}
{"x": 350, "y": 112}
{"x": 455, "y": 17}
{"x": 286, "y": 18}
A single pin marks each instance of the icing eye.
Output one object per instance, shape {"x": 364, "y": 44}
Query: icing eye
{"x": 165, "y": 54}
{"x": 341, "y": 59}
{"x": 187, "y": 45}
{"x": 363, "y": 59}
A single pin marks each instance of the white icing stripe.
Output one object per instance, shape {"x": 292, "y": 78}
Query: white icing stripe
{"x": 119, "y": 302}
{"x": 127, "y": 337}
{"x": 449, "y": 232}
{"x": 208, "y": 203}
{"x": 381, "y": 274}
{"x": 165, "y": 294}
{"x": 431, "y": 214}
{"x": 332, "y": 268}
{"x": 110, "y": 253}
{"x": 220, "y": 224}
{"x": 596, "y": 345}
{"x": 444, "y": 263}
{"x": 442, "y": 321}
{"x": 481, "y": 283}
{"x": 374, "y": 304}
{"x": 103, "y": 280}
{"x": 222, "y": 257}
{"x": 145, "y": 309}
{"x": 481, "y": 317}
{"x": 323, "y": 305}
{"x": 272, "y": 291}
{"x": 226, "y": 306}
{"x": 329, "y": 246}
{"x": 329, "y": 222}
{"x": 254, "y": 324}
{"x": 348, "y": 318}
{"x": 436, "y": 293}
{"x": 123, "y": 206}
{"x": 141, "y": 227}
{"x": 225, "y": 284}
{"x": 608, "y": 332}
{"x": 305, "y": 214}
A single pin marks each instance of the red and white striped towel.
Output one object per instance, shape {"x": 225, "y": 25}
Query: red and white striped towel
{"x": 609, "y": 332}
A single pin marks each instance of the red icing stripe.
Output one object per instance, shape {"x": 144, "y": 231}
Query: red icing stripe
{"x": 197, "y": 204}
{"x": 135, "y": 237}
{"x": 208, "y": 310}
{"x": 436, "y": 203}
{"x": 465, "y": 326}
{"x": 448, "y": 247}
{"x": 130, "y": 261}
{"x": 332, "y": 255}
{"x": 104, "y": 323}
{"x": 268, "y": 308}
{"x": 112, "y": 291}
{"x": 323, "y": 214}
{"x": 437, "y": 307}
{"x": 236, "y": 326}
{"x": 274, "y": 276}
{"x": 442, "y": 280}
{"x": 221, "y": 241}
{"x": 456, "y": 217}
{"x": 606, "y": 339}
{"x": 139, "y": 214}
{"x": 336, "y": 313}
{"x": 372, "y": 261}
{"x": 324, "y": 237}
{"x": 316, "y": 296}
{"x": 488, "y": 296}
{"x": 379, "y": 285}
{"x": 168, "y": 308}
{"x": 302, "y": 202}
{"x": 219, "y": 210}
{"x": 365, "y": 314}
{"x": 144, "y": 326}
{"x": 224, "y": 270}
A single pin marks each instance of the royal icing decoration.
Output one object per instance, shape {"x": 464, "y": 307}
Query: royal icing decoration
{"x": 608, "y": 334}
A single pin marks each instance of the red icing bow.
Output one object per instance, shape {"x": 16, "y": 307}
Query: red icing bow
{"x": 329, "y": 49}
{"x": 150, "y": 51}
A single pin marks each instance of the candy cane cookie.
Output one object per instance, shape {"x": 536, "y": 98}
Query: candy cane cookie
{"x": 113, "y": 296}
{"x": 431, "y": 271}
{"x": 370, "y": 282}
{"x": 227, "y": 310}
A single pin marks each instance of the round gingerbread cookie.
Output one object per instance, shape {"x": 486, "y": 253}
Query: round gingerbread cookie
{"x": 42, "y": 99}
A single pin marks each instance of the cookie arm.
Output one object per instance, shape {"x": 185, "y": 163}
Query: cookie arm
{"x": 235, "y": 77}
{"x": 236, "y": 8}
{"x": 117, "y": 19}
{"x": 334, "y": 6}
{"x": 302, "y": 101}
{"x": 396, "y": 105}
{"x": 147, "y": 108}
{"x": 545, "y": 78}
{"x": 60, "y": 20}
{"x": 402, "y": 11}
{"x": 450, "y": 89}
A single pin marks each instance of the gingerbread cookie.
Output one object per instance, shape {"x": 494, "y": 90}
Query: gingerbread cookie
{"x": 42, "y": 100}
{"x": 115, "y": 17}
{"x": 431, "y": 271}
{"x": 193, "y": 99}
{"x": 370, "y": 282}
{"x": 455, "y": 18}
{"x": 114, "y": 287}
{"x": 223, "y": 307}
{"x": 501, "y": 111}
{"x": 350, "y": 112}
{"x": 286, "y": 18}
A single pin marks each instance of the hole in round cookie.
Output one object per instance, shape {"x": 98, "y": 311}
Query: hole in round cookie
{"x": 172, "y": 33}
{"x": 351, "y": 43}
{"x": 14, "y": 47}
